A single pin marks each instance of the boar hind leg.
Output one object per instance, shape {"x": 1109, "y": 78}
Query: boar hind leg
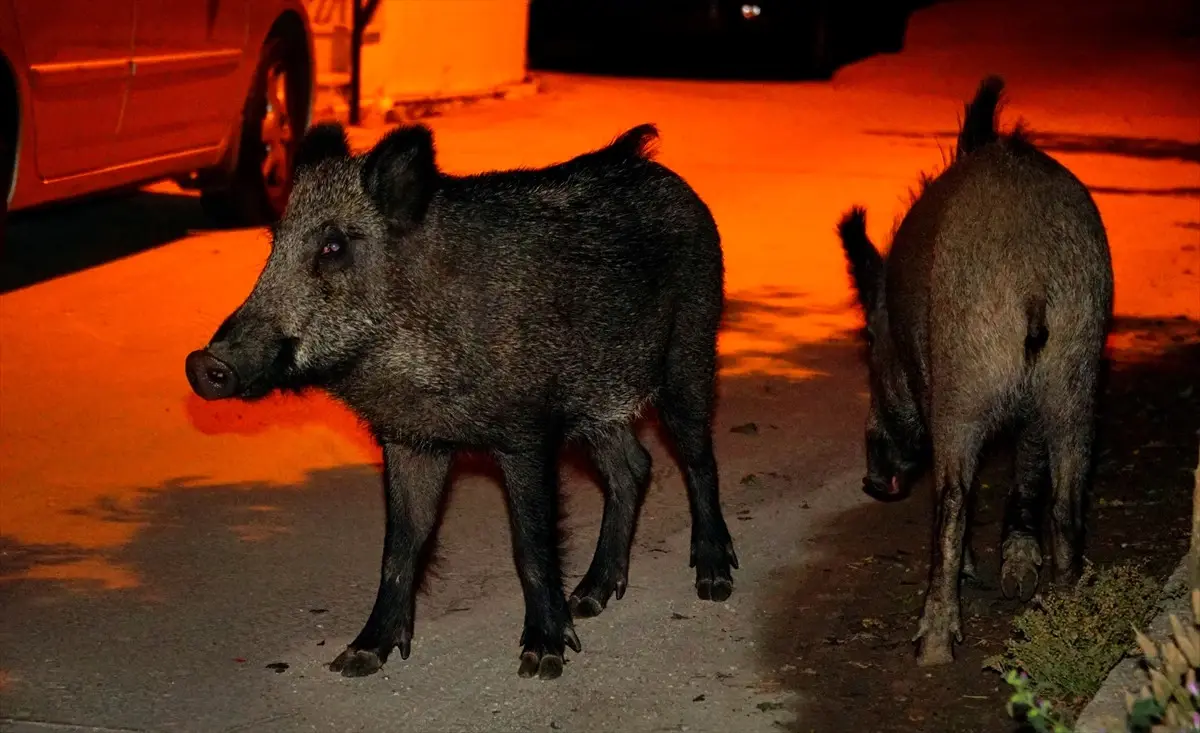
{"x": 1022, "y": 517}
{"x": 686, "y": 411}
{"x": 624, "y": 467}
{"x": 1067, "y": 412}
{"x": 414, "y": 483}
{"x": 956, "y": 451}
{"x": 531, "y": 482}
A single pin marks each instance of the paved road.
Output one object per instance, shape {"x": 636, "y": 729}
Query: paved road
{"x": 159, "y": 552}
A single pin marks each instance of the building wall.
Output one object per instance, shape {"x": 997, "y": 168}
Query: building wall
{"x": 424, "y": 49}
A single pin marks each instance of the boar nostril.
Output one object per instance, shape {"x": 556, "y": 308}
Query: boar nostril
{"x": 210, "y": 377}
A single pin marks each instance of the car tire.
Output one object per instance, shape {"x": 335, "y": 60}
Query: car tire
{"x": 7, "y": 166}
{"x": 273, "y": 121}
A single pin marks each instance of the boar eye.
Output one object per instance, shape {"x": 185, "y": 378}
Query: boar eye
{"x": 335, "y": 251}
{"x": 333, "y": 247}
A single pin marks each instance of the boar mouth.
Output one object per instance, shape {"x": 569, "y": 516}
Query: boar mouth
{"x": 897, "y": 489}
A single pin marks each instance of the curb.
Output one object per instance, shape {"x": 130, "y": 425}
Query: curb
{"x": 415, "y": 109}
{"x": 1106, "y": 711}
{"x": 332, "y": 104}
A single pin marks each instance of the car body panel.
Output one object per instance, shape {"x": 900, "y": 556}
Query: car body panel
{"x": 185, "y": 83}
{"x": 77, "y": 55}
{"x": 175, "y": 110}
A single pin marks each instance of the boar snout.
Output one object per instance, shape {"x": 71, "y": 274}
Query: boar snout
{"x": 210, "y": 377}
{"x": 892, "y": 466}
{"x": 247, "y": 358}
{"x": 887, "y": 491}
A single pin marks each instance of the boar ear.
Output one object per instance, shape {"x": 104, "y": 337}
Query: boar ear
{"x": 400, "y": 174}
{"x": 322, "y": 142}
{"x": 866, "y": 265}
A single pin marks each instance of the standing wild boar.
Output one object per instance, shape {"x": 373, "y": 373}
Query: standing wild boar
{"x": 990, "y": 309}
{"x": 510, "y": 312}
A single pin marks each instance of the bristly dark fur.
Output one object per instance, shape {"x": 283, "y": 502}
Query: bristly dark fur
{"x": 978, "y": 128}
{"x": 510, "y": 312}
{"x": 323, "y": 141}
{"x": 991, "y": 307}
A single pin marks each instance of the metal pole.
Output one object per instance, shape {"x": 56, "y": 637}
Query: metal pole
{"x": 361, "y": 14}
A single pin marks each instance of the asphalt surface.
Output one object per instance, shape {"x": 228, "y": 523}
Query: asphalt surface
{"x": 159, "y": 553}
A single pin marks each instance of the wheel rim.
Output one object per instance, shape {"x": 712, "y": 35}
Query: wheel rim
{"x": 278, "y": 134}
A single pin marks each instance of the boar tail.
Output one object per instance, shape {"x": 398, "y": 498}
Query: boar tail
{"x": 1036, "y": 332}
{"x": 638, "y": 142}
{"x": 866, "y": 264}
{"x": 853, "y": 230}
{"x": 979, "y": 121}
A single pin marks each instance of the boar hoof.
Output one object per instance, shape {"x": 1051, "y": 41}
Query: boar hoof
{"x": 543, "y": 659}
{"x": 545, "y": 666}
{"x": 934, "y": 651}
{"x": 586, "y": 607}
{"x": 1019, "y": 573}
{"x": 714, "y": 589}
{"x": 356, "y": 663}
{"x": 714, "y": 579}
{"x": 1019, "y": 579}
{"x": 935, "y": 638}
{"x": 590, "y": 597}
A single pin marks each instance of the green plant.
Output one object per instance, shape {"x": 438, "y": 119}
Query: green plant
{"x": 1026, "y": 706}
{"x": 1168, "y": 701}
{"x": 1070, "y": 641}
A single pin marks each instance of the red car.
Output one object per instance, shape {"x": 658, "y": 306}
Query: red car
{"x": 96, "y": 96}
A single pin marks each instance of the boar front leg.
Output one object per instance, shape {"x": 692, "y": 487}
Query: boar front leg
{"x": 531, "y": 482}
{"x": 414, "y": 483}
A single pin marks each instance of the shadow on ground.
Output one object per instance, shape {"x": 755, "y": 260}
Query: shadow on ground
{"x": 838, "y": 628}
{"x": 232, "y": 576}
{"x": 60, "y": 239}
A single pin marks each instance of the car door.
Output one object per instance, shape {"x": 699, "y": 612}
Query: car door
{"x": 185, "y": 88}
{"x": 78, "y": 54}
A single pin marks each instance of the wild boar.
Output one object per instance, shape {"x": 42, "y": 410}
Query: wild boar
{"x": 508, "y": 312}
{"x": 990, "y": 309}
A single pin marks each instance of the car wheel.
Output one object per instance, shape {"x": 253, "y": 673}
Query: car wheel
{"x": 273, "y": 121}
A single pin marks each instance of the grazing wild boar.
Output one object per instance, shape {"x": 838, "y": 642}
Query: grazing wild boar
{"x": 509, "y": 312}
{"x": 990, "y": 310}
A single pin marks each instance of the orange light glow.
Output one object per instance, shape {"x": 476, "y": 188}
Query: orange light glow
{"x": 96, "y": 415}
